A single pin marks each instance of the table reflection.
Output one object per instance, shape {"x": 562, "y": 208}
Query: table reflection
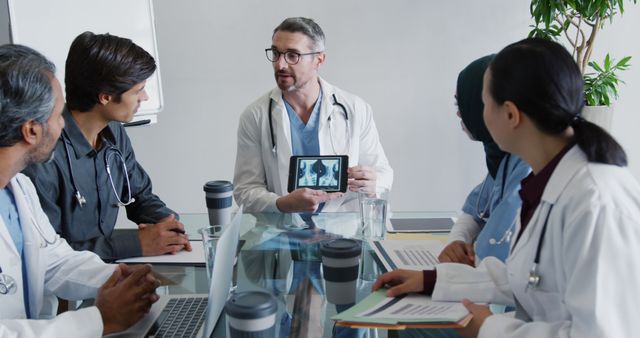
{"x": 288, "y": 264}
{"x": 280, "y": 254}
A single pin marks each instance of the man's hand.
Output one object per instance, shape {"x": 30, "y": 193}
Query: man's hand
{"x": 304, "y": 200}
{"x": 167, "y": 236}
{"x": 122, "y": 301}
{"x": 402, "y": 281}
{"x": 128, "y": 270}
{"x": 458, "y": 252}
{"x": 480, "y": 313}
{"x": 361, "y": 177}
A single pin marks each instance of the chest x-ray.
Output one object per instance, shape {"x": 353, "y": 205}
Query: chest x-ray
{"x": 318, "y": 173}
{"x": 327, "y": 173}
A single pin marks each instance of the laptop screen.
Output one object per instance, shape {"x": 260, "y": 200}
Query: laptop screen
{"x": 222, "y": 272}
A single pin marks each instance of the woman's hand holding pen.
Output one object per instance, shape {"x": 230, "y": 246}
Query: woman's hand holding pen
{"x": 166, "y": 236}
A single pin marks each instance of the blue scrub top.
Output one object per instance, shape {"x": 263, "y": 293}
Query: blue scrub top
{"x": 500, "y": 202}
{"x": 304, "y": 138}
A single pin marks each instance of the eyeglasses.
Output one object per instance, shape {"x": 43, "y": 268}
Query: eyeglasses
{"x": 290, "y": 57}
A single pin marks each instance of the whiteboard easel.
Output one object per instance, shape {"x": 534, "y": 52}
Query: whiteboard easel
{"x": 50, "y": 26}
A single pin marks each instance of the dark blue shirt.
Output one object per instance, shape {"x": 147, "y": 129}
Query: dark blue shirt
{"x": 91, "y": 227}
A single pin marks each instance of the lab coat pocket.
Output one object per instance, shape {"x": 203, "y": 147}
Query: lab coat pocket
{"x": 547, "y": 306}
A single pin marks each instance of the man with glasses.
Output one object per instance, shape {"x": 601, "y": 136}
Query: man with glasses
{"x": 304, "y": 115}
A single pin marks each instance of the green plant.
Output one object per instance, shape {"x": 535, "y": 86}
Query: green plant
{"x": 602, "y": 84}
{"x": 580, "y": 21}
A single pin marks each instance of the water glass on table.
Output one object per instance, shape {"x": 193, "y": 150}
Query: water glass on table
{"x": 373, "y": 212}
{"x": 210, "y": 236}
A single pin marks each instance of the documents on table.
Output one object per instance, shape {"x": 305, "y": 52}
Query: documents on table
{"x": 193, "y": 257}
{"x": 410, "y": 311}
{"x": 407, "y": 254}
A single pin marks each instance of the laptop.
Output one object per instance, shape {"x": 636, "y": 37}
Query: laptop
{"x": 194, "y": 315}
{"x": 431, "y": 224}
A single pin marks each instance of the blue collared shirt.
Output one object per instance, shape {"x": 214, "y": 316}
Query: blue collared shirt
{"x": 304, "y": 138}
{"x": 9, "y": 213}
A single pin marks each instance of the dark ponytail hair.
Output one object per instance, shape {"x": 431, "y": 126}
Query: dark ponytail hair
{"x": 540, "y": 77}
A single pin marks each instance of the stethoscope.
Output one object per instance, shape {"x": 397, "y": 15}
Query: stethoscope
{"x": 335, "y": 103}
{"x": 110, "y": 152}
{"x": 534, "y": 277}
{"x": 45, "y": 241}
{"x": 506, "y": 237}
{"x": 482, "y": 214}
{"x": 7, "y": 284}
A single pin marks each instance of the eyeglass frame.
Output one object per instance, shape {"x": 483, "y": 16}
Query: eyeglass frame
{"x": 298, "y": 55}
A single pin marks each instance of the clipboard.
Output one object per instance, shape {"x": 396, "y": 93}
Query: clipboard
{"x": 350, "y": 318}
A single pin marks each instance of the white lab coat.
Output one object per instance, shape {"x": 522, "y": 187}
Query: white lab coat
{"x": 261, "y": 176}
{"x": 56, "y": 268}
{"x": 588, "y": 266}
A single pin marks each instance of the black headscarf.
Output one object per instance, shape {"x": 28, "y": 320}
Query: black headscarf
{"x": 469, "y": 97}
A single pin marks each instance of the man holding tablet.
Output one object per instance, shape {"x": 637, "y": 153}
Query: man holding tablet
{"x": 305, "y": 116}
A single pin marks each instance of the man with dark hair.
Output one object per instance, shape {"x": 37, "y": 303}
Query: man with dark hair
{"x": 304, "y": 115}
{"x": 34, "y": 260}
{"x": 95, "y": 170}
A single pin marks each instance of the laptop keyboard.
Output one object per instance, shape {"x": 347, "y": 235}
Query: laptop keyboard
{"x": 181, "y": 317}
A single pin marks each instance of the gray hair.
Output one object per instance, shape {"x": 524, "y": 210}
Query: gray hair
{"x": 305, "y": 26}
{"x": 25, "y": 90}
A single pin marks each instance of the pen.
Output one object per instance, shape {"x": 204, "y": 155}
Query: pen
{"x": 137, "y": 123}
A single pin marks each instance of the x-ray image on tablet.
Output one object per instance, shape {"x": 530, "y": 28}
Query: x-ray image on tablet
{"x": 328, "y": 173}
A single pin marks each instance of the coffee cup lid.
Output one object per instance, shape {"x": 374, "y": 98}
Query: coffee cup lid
{"x": 251, "y": 305}
{"x": 218, "y": 186}
{"x": 340, "y": 248}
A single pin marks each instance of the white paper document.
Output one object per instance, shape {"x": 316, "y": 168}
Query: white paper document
{"x": 415, "y": 306}
{"x": 408, "y": 254}
{"x": 193, "y": 257}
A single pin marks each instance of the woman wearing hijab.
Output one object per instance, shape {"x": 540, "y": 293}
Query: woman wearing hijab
{"x": 490, "y": 209}
{"x": 573, "y": 270}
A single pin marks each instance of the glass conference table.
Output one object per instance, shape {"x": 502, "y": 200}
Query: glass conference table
{"x": 280, "y": 254}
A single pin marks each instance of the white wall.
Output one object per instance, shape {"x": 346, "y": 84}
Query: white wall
{"x": 402, "y": 56}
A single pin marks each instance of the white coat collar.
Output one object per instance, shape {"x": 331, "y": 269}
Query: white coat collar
{"x": 566, "y": 169}
{"x": 282, "y": 126}
{"x": 25, "y": 202}
{"x": 4, "y": 231}
{"x": 328, "y": 91}
{"x": 568, "y": 166}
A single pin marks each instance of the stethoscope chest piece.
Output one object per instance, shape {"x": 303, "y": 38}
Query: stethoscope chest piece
{"x": 7, "y": 285}
{"x": 534, "y": 278}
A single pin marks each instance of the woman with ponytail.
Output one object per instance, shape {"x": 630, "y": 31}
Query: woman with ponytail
{"x": 573, "y": 268}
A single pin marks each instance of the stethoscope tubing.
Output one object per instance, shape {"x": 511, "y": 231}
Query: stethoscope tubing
{"x": 110, "y": 151}
{"x": 272, "y": 133}
{"x": 505, "y": 172}
{"x": 7, "y": 284}
{"x": 533, "y": 281}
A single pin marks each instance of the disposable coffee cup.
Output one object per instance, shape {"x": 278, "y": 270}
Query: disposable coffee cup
{"x": 340, "y": 263}
{"x": 219, "y": 196}
{"x": 251, "y": 314}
